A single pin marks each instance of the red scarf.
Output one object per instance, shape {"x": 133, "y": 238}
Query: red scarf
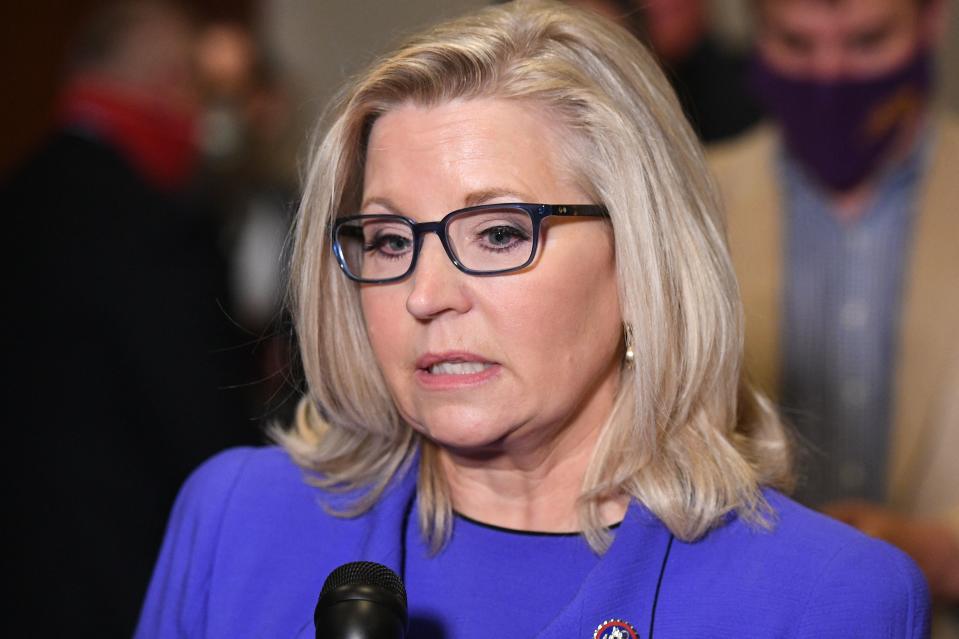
{"x": 159, "y": 142}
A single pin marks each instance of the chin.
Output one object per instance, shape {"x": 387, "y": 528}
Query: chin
{"x": 464, "y": 431}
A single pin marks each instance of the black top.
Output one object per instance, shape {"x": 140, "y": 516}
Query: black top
{"x": 711, "y": 85}
{"x": 117, "y": 352}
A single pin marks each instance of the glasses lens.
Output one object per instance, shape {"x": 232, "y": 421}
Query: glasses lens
{"x": 492, "y": 239}
{"x": 375, "y": 248}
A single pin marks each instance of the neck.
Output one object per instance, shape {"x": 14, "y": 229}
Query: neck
{"x": 533, "y": 483}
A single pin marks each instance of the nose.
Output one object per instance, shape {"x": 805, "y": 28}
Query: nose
{"x": 827, "y": 62}
{"x": 436, "y": 285}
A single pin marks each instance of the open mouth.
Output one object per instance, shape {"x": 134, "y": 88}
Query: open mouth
{"x": 458, "y": 368}
{"x": 455, "y": 373}
{"x": 454, "y": 369}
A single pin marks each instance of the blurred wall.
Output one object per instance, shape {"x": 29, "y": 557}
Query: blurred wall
{"x": 33, "y": 41}
{"x": 320, "y": 44}
{"x": 949, "y": 72}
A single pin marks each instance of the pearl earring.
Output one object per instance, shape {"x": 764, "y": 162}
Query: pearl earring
{"x": 630, "y": 356}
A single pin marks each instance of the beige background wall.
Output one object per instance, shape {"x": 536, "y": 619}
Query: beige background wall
{"x": 323, "y": 42}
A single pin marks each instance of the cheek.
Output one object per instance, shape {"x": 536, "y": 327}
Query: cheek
{"x": 596, "y": 319}
{"x": 385, "y": 326}
{"x": 779, "y": 58}
{"x": 566, "y": 316}
{"x": 891, "y": 55}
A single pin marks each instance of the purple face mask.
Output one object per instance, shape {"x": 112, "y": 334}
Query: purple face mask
{"x": 840, "y": 130}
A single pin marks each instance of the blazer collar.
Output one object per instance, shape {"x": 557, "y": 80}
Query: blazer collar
{"x": 622, "y": 585}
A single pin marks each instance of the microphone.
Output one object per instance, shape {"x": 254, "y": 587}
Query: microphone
{"x": 361, "y": 600}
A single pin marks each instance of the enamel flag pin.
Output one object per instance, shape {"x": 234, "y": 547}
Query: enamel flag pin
{"x": 615, "y": 629}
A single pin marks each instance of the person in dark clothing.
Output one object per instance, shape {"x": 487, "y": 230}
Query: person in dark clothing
{"x": 709, "y": 82}
{"x": 708, "y": 76}
{"x": 118, "y": 347}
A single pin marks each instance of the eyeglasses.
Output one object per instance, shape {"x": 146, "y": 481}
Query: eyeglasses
{"x": 491, "y": 239}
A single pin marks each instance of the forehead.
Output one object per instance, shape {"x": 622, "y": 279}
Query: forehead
{"x": 824, "y": 17}
{"x": 492, "y": 120}
{"x": 463, "y": 146}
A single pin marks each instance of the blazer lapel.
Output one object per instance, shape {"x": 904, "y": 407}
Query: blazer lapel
{"x": 623, "y": 583}
{"x": 386, "y": 532}
{"x": 621, "y": 586}
{"x": 746, "y": 171}
{"x": 930, "y": 315}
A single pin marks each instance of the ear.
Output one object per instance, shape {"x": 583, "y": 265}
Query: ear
{"x": 934, "y": 21}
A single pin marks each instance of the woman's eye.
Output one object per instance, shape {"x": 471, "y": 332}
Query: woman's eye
{"x": 499, "y": 237}
{"x": 390, "y": 244}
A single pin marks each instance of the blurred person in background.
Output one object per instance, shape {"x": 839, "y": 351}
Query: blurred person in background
{"x": 708, "y": 75}
{"x": 119, "y": 350}
{"x": 248, "y": 143}
{"x": 844, "y": 231}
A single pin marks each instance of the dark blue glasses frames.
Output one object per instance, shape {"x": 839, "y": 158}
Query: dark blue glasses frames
{"x": 491, "y": 239}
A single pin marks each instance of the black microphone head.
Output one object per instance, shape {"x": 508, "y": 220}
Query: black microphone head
{"x": 361, "y": 600}
{"x": 367, "y": 573}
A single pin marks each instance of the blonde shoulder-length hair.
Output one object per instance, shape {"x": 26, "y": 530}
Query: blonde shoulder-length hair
{"x": 687, "y": 437}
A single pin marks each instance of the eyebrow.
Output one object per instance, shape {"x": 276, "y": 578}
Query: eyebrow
{"x": 479, "y": 197}
{"x": 474, "y": 198}
{"x": 385, "y": 202}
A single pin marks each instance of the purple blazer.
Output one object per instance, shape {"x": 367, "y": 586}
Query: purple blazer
{"x": 249, "y": 546}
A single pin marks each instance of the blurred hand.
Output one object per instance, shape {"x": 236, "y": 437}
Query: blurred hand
{"x": 931, "y": 544}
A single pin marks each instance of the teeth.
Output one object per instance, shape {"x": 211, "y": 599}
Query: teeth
{"x": 457, "y": 368}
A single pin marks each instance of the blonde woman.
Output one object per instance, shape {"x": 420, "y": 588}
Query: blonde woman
{"x": 522, "y": 339}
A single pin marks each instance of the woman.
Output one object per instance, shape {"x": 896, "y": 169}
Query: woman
{"x": 522, "y": 339}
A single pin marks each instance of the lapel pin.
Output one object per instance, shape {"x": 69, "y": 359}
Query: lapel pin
{"x": 615, "y": 629}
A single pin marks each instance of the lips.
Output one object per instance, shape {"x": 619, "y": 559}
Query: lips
{"x": 454, "y": 369}
{"x": 452, "y": 362}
